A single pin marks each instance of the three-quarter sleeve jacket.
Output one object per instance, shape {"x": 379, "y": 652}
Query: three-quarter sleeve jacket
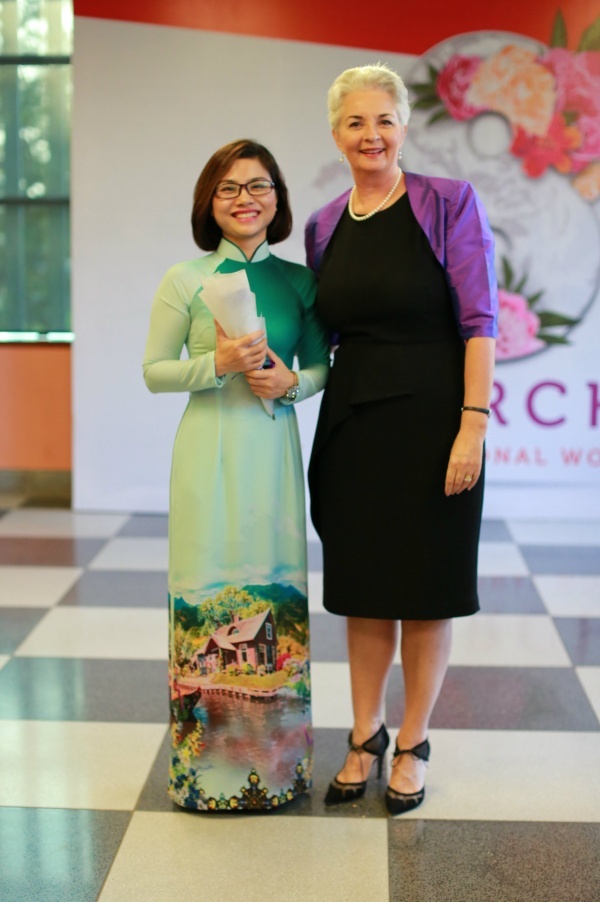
{"x": 455, "y": 223}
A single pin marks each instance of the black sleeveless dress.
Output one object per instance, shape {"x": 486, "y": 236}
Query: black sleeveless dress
{"x": 394, "y": 546}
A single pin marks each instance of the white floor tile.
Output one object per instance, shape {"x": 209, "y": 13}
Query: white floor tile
{"x": 133, "y": 554}
{"x": 501, "y": 559}
{"x": 49, "y": 523}
{"x": 590, "y": 680}
{"x": 507, "y": 640}
{"x": 331, "y": 698}
{"x": 315, "y": 592}
{"x": 51, "y": 764}
{"x": 4, "y": 659}
{"x": 35, "y": 587}
{"x": 570, "y": 596}
{"x": 547, "y": 532}
{"x": 501, "y": 775}
{"x": 167, "y": 856}
{"x": 126, "y": 633}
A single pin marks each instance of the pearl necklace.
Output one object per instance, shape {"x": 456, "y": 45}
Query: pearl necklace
{"x": 358, "y": 217}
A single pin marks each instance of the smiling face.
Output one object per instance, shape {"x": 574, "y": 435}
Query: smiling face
{"x": 244, "y": 220}
{"x": 370, "y": 133}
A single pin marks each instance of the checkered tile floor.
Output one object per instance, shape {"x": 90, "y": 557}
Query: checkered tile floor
{"x": 513, "y": 791}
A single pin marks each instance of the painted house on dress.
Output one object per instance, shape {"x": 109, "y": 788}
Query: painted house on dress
{"x": 252, "y": 641}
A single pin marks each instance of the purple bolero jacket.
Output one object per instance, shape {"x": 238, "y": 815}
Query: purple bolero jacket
{"x": 455, "y": 223}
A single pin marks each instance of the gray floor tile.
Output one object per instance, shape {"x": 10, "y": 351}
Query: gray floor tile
{"x": 494, "y": 531}
{"x": 468, "y": 861}
{"x": 315, "y": 556}
{"x": 66, "y": 689}
{"x": 328, "y": 638}
{"x": 497, "y": 698}
{"x": 57, "y": 855}
{"x": 509, "y": 595}
{"x": 153, "y": 525}
{"x": 330, "y": 749}
{"x": 562, "y": 559}
{"x": 15, "y": 626}
{"x": 581, "y": 637}
{"x": 49, "y": 552}
{"x": 118, "y": 588}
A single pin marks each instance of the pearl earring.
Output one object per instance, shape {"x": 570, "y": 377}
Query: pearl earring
{"x": 400, "y": 154}
{"x": 341, "y": 158}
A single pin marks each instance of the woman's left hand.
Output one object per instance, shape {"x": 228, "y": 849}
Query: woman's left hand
{"x": 271, "y": 383}
{"x": 464, "y": 466}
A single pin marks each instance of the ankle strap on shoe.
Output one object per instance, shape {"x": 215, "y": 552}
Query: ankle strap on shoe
{"x": 420, "y": 751}
{"x": 375, "y": 745}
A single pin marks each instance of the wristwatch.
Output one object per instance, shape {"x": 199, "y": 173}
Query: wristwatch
{"x": 294, "y": 390}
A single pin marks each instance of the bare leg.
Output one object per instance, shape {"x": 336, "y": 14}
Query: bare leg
{"x": 425, "y": 650}
{"x": 371, "y": 649}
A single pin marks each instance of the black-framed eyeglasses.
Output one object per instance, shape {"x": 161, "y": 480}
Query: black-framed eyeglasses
{"x": 255, "y": 188}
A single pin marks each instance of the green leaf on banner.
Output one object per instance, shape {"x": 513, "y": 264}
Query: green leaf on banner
{"x": 590, "y": 39}
{"x": 534, "y": 298}
{"x": 552, "y": 339}
{"x": 547, "y": 318}
{"x": 437, "y": 117}
{"x": 520, "y": 285}
{"x": 423, "y": 87}
{"x": 426, "y": 103}
{"x": 433, "y": 73}
{"x": 508, "y": 274}
{"x": 559, "y": 31}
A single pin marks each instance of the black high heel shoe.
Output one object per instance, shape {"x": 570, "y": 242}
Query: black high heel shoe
{"x": 399, "y": 802}
{"x": 348, "y": 792}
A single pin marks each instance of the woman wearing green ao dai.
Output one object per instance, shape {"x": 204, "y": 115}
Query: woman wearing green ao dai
{"x": 238, "y": 618}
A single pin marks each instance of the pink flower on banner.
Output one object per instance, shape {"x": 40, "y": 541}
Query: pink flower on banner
{"x": 552, "y": 149}
{"x": 577, "y": 78}
{"x": 518, "y": 327}
{"x": 452, "y": 84}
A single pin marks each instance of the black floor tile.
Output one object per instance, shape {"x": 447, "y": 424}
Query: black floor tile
{"x": 328, "y": 638}
{"x": 581, "y": 637}
{"x": 517, "y": 698}
{"x": 146, "y": 525}
{"x": 509, "y": 595}
{"x": 57, "y": 855}
{"x": 481, "y": 861}
{"x": 495, "y": 531}
{"x": 119, "y": 588}
{"x": 49, "y": 552}
{"x": 15, "y": 626}
{"x": 84, "y": 689}
{"x": 562, "y": 560}
{"x": 498, "y": 698}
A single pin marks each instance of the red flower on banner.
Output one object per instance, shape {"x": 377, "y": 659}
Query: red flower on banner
{"x": 552, "y": 149}
{"x": 452, "y": 85}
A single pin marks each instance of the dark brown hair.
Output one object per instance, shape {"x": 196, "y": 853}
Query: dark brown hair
{"x": 207, "y": 233}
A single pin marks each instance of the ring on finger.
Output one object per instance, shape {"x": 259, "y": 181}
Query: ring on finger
{"x": 468, "y": 478}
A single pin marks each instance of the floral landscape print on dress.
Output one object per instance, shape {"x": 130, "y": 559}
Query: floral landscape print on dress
{"x": 551, "y": 100}
{"x": 239, "y": 673}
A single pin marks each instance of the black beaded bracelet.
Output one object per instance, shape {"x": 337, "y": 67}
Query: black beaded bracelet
{"x": 477, "y": 409}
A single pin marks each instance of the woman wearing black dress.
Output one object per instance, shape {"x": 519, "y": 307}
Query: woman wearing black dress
{"x": 406, "y": 282}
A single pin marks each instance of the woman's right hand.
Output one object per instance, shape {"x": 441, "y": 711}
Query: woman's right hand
{"x": 238, "y": 355}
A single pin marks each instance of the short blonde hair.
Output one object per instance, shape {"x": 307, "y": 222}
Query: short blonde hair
{"x": 376, "y": 77}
